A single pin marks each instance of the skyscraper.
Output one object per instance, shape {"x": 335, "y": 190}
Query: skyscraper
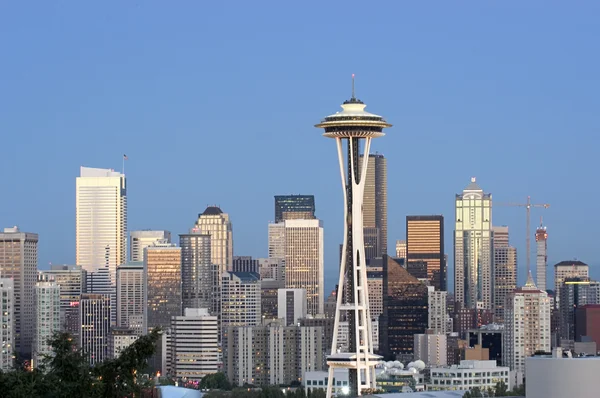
{"x": 302, "y": 205}
{"x": 162, "y": 278}
{"x": 130, "y": 293}
{"x": 69, "y": 278}
{"x": 101, "y": 219}
{"x": 363, "y": 207}
{"x": 95, "y": 327}
{"x": 216, "y": 223}
{"x": 375, "y": 205}
{"x": 245, "y": 264}
{"x": 505, "y": 270}
{"x": 47, "y": 307}
{"x": 240, "y": 301}
{"x": 527, "y": 326}
{"x": 473, "y": 257}
{"x": 19, "y": 261}
{"x": 199, "y": 275}
{"x": 304, "y": 266}
{"x": 568, "y": 269}
{"x": 541, "y": 239}
{"x": 139, "y": 240}
{"x": 425, "y": 242}
{"x": 7, "y": 323}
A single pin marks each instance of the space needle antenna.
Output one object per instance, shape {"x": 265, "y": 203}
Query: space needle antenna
{"x": 353, "y": 86}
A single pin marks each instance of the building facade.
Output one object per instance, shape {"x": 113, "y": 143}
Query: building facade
{"x": 541, "y": 245}
{"x": 505, "y": 270}
{"x": 139, "y": 240}
{"x": 7, "y": 323}
{"x": 245, "y": 264}
{"x": 291, "y": 305}
{"x": 69, "y": 278}
{"x": 94, "y": 336}
{"x": 19, "y": 261}
{"x": 130, "y": 292}
{"x": 216, "y": 223}
{"x": 297, "y": 207}
{"x": 101, "y": 219}
{"x": 437, "y": 311}
{"x": 568, "y": 269}
{"x": 199, "y": 275}
{"x": 473, "y": 256}
{"x": 375, "y": 205}
{"x": 240, "y": 299}
{"x": 468, "y": 375}
{"x": 47, "y": 322}
{"x": 425, "y": 243}
{"x": 431, "y": 349}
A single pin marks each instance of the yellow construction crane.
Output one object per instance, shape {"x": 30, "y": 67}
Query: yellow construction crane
{"x": 528, "y": 207}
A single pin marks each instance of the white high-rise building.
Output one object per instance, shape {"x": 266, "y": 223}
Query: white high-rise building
{"x": 437, "y": 311}
{"x": 473, "y": 257}
{"x": 19, "y": 261}
{"x": 527, "y": 326}
{"x": 303, "y": 247}
{"x": 194, "y": 344}
{"x": 541, "y": 241}
{"x": 130, "y": 292}
{"x": 101, "y": 219}
{"x": 291, "y": 305}
{"x": 139, "y": 240}
{"x": 47, "y": 305}
{"x": 216, "y": 223}
{"x": 7, "y": 323}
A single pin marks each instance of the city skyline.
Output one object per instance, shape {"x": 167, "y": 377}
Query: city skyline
{"x": 490, "y": 104}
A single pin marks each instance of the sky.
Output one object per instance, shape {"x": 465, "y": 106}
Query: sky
{"x": 214, "y": 103}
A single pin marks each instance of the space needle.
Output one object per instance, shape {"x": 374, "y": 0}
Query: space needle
{"x": 352, "y": 128}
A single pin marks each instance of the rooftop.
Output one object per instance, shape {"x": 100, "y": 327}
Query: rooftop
{"x": 212, "y": 211}
{"x": 570, "y": 263}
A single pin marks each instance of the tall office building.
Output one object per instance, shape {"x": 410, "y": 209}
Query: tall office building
{"x": 505, "y": 270}
{"x": 541, "y": 239}
{"x": 375, "y": 288}
{"x": 199, "y": 275}
{"x": 401, "y": 249}
{"x": 568, "y": 269}
{"x": 375, "y": 204}
{"x": 194, "y": 344}
{"x": 7, "y": 323}
{"x": 304, "y": 267}
{"x": 291, "y": 305}
{"x": 574, "y": 293}
{"x": 139, "y": 240}
{"x": 296, "y": 207}
{"x": 240, "y": 301}
{"x": 425, "y": 242}
{"x": 245, "y": 264}
{"x": 437, "y": 310}
{"x": 216, "y": 223}
{"x": 101, "y": 219}
{"x": 47, "y": 308}
{"x": 473, "y": 257}
{"x": 19, "y": 261}
{"x": 98, "y": 280}
{"x": 130, "y": 293}
{"x": 277, "y": 241}
{"x": 94, "y": 336}
{"x": 162, "y": 279}
{"x": 69, "y": 278}
{"x": 527, "y": 326}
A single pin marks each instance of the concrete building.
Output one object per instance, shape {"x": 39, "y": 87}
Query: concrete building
{"x": 19, "y": 261}
{"x": 568, "y": 269}
{"x": 375, "y": 206}
{"x": 98, "y": 280}
{"x": 94, "y": 336}
{"x": 194, "y": 344}
{"x": 216, "y": 223}
{"x": 69, "y": 278}
{"x": 7, "y": 323}
{"x": 473, "y": 256}
{"x": 199, "y": 275}
{"x": 425, "y": 243}
{"x": 240, "y": 299}
{"x": 269, "y": 289}
{"x": 277, "y": 241}
{"x": 527, "y": 327}
{"x": 139, "y": 240}
{"x": 437, "y": 314}
{"x": 130, "y": 292}
{"x": 291, "y": 305}
{"x": 557, "y": 376}
{"x": 431, "y": 349}
{"x": 101, "y": 219}
{"x": 271, "y": 268}
{"x": 505, "y": 270}
{"x": 47, "y": 306}
{"x": 162, "y": 278}
{"x": 541, "y": 245}
{"x": 401, "y": 249}
{"x": 468, "y": 375}
{"x": 121, "y": 338}
{"x": 375, "y": 288}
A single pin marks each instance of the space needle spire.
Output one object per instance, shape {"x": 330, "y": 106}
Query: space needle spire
{"x": 352, "y": 128}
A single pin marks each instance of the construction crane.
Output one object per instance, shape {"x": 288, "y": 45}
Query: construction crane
{"x": 528, "y": 207}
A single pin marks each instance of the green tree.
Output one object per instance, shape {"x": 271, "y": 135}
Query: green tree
{"x": 501, "y": 389}
{"x": 215, "y": 381}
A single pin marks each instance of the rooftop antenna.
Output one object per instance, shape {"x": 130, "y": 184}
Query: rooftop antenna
{"x": 353, "y": 97}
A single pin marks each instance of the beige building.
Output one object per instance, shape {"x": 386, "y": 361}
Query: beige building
{"x": 375, "y": 288}
{"x": 401, "y": 249}
{"x": 100, "y": 219}
{"x": 19, "y": 261}
{"x": 216, "y": 223}
{"x": 139, "y": 240}
{"x": 568, "y": 269}
{"x": 130, "y": 292}
{"x": 527, "y": 326}
{"x": 375, "y": 204}
{"x": 473, "y": 257}
{"x": 437, "y": 310}
{"x": 505, "y": 270}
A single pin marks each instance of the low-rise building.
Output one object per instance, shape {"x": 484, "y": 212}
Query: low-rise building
{"x": 468, "y": 375}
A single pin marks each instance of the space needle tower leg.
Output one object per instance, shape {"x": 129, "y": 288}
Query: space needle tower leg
{"x": 353, "y": 125}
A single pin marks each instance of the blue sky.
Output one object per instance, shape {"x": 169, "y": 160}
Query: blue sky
{"x": 215, "y": 102}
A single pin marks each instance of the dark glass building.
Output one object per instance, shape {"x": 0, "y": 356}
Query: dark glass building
{"x": 490, "y": 338}
{"x": 245, "y": 264}
{"x": 303, "y": 204}
{"x": 405, "y": 311}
